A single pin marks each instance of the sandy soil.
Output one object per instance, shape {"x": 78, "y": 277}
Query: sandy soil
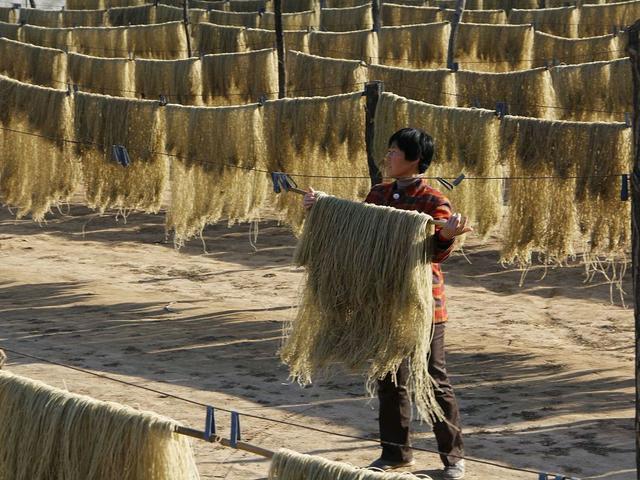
{"x": 543, "y": 372}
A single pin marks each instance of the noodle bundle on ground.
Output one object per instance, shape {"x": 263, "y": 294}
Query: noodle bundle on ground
{"x": 580, "y": 94}
{"x": 431, "y": 86}
{"x": 225, "y": 80}
{"x": 212, "y": 176}
{"x": 494, "y": 48}
{"x": 179, "y": 81}
{"x": 107, "y": 76}
{"x": 319, "y": 136}
{"x": 414, "y": 46}
{"x": 357, "y": 45}
{"x": 42, "y": 66}
{"x": 571, "y": 51}
{"x": 36, "y": 171}
{"x": 289, "y": 465}
{"x": 346, "y": 19}
{"x": 576, "y": 212}
{"x": 310, "y": 75}
{"x": 466, "y": 141}
{"x": 105, "y": 121}
{"x": 367, "y": 302}
{"x": 51, "y": 433}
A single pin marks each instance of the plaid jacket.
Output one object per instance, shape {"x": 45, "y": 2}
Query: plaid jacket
{"x": 421, "y": 197}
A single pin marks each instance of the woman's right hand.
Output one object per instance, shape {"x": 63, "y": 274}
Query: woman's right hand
{"x": 310, "y": 198}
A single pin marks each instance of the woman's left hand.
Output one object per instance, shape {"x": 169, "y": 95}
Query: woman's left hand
{"x": 456, "y": 225}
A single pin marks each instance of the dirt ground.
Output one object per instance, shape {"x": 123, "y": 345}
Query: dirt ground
{"x": 543, "y": 372}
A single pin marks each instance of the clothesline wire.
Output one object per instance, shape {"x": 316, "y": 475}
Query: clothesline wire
{"x": 66, "y": 46}
{"x": 301, "y": 175}
{"x": 260, "y": 417}
{"x": 362, "y": 26}
{"x": 468, "y": 98}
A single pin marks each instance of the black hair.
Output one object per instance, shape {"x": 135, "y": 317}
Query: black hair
{"x": 416, "y": 145}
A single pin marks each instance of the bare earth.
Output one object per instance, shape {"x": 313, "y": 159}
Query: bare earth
{"x": 543, "y": 372}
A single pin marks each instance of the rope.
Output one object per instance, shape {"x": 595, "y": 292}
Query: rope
{"x": 267, "y": 419}
{"x": 66, "y": 46}
{"x": 303, "y": 175}
{"x": 468, "y": 99}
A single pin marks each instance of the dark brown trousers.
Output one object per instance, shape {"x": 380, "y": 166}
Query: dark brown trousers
{"x": 395, "y": 409}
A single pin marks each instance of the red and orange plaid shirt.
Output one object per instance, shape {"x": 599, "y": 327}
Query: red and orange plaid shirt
{"x": 421, "y": 197}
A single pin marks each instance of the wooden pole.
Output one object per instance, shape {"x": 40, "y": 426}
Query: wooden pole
{"x": 185, "y": 17}
{"x": 457, "y": 18}
{"x": 634, "y": 54}
{"x": 376, "y": 7}
{"x": 372, "y": 91}
{"x": 282, "y": 71}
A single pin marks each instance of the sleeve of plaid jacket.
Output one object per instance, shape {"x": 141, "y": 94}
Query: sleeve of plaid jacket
{"x": 443, "y": 248}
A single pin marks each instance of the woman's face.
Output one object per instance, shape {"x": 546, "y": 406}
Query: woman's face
{"x": 397, "y": 164}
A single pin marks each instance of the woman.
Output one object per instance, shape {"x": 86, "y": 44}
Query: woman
{"x": 409, "y": 154}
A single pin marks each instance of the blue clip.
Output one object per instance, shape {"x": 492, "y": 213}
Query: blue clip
{"x": 120, "y": 155}
{"x": 502, "y": 109}
{"x": 455, "y": 67}
{"x": 624, "y": 188}
{"x": 282, "y": 181}
{"x": 275, "y": 178}
{"x": 210, "y": 424}
{"x": 458, "y": 180}
{"x": 445, "y": 183}
{"x": 235, "y": 430}
{"x": 542, "y": 476}
{"x": 163, "y": 101}
{"x": 627, "y": 120}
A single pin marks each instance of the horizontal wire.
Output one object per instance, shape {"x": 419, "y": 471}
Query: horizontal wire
{"x": 301, "y": 175}
{"x": 470, "y": 100}
{"x": 408, "y": 60}
{"x": 365, "y": 25}
{"x": 267, "y": 419}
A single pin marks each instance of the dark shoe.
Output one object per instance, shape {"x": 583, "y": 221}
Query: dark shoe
{"x": 454, "y": 472}
{"x": 384, "y": 464}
